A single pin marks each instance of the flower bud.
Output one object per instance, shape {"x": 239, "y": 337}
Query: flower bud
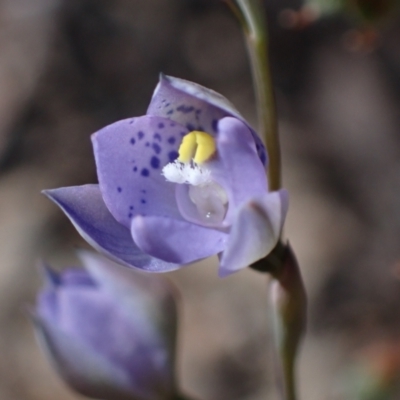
{"x": 109, "y": 331}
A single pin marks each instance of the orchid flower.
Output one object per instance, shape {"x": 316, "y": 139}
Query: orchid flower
{"x": 109, "y": 331}
{"x": 184, "y": 182}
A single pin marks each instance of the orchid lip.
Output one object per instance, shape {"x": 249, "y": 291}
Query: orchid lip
{"x": 209, "y": 197}
{"x": 211, "y": 202}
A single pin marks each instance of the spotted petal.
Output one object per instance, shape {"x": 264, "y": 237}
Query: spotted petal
{"x": 255, "y": 231}
{"x": 176, "y": 241}
{"x": 189, "y": 104}
{"x": 194, "y": 106}
{"x": 130, "y": 155}
{"x": 85, "y": 207}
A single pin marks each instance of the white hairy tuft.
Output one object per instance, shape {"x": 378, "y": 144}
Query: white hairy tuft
{"x": 190, "y": 173}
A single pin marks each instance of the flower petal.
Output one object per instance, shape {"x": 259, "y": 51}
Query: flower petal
{"x": 189, "y": 104}
{"x": 136, "y": 293}
{"x": 148, "y": 290}
{"x": 85, "y": 207}
{"x": 48, "y": 303}
{"x": 86, "y": 371}
{"x": 129, "y": 343}
{"x": 76, "y": 277}
{"x": 130, "y": 155}
{"x": 238, "y": 169}
{"x": 176, "y": 241}
{"x": 255, "y": 231}
{"x": 194, "y": 106}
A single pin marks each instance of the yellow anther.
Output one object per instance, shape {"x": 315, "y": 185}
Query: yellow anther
{"x": 187, "y": 147}
{"x": 197, "y": 145}
{"x": 205, "y": 147}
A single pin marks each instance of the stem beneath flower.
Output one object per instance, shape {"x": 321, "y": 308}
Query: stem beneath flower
{"x": 285, "y": 369}
{"x": 251, "y": 15}
{"x": 289, "y": 302}
{"x": 288, "y": 366}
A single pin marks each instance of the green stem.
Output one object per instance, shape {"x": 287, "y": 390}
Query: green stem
{"x": 286, "y": 373}
{"x": 289, "y": 300}
{"x": 287, "y": 351}
{"x": 290, "y": 380}
{"x": 251, "y": 14}
{"x": 289, "y": 306}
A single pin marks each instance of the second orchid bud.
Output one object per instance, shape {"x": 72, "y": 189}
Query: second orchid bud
{"x": 109, "y": 331}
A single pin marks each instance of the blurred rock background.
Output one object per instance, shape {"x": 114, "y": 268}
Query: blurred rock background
{"x": 69, "y": 67}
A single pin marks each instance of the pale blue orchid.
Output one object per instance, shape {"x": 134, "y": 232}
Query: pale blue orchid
{"x": 179, "y": 184}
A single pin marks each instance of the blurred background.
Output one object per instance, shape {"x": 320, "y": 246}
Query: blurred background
{"x": 69, "y": 67}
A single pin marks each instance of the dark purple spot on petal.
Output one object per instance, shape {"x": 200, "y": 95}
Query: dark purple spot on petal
{"x": 170, "y": 112}
{"x": 173, "y": 155}
{"x": 185, "y": 109}
{"x": 168, "y": 104}
{"x": 214, "y": 125}
{"x": 156, "y": 147}
{"x": 171, "y": 140}
{"x": 147, "y": 144}
{"x": 198, "y": 111}
{"x": 131, "y": 121}
{"x": 145, "y": 172}
{"x": 172, "y": 124}
{"x": 143, "y": 201}
{"x": 183, "y": 134}
{"x": 133, "y": 141}
{"x": 190, "y": 127}
{"x": 157, "y": 136}
{"x": 263, "y": 157}
{"x": 119, "y": 189}
{"x": 155, "y": 162}
{"x": 140, "y": 135}
{"x": 130, "y": 215}
{"x": 161, "y": 125}
{"x": 134, "y": 169}
{"x": 131, "y": 207}
{"x": 143, "y": 190}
